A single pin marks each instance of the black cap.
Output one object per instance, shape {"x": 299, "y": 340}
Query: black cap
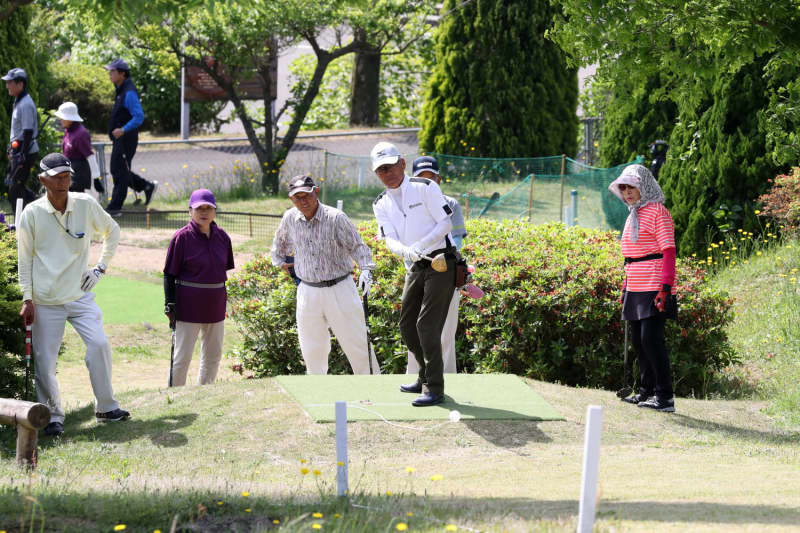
{"x": 118, "y": 64}
{"x": 55, "y": 163}
{"x": 301, "y": 184}
{"x": 16, "y": 74}
{"x": 421, "y": 164}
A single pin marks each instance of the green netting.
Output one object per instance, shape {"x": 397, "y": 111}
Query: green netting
{"x": 535, "y": 188}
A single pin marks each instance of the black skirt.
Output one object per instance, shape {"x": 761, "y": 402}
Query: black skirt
{"x": 640, "y": 305}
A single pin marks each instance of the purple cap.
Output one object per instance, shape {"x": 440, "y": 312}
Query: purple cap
{"x": 202, "y": 197}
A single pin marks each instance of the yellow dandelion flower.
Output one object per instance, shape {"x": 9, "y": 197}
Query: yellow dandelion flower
{"x": 410, "y": 469}
{"x": 401, "y": 526}
{"x": 304, "y": 471}
{"x": 220, "y": 502}
{"x": 708, "y": 249}
{"x": 303, "y": 461}
{"x": 733, "y": 248}
{"x": 120, "y": 527}
{"x": 451, "y": 527}
{"x": 721, "y": 243}
{"x": 409, "y": 514}
{"x": 739, "y": 230}
{"x": 757, "y": 212}
{"x": 758, "y": 253}
{"x": 694, "y": 255}
{"x": 437, "y": 477}
{"x": 185, "y": 165}
{"x": 252, "y": 180}
{"x": 337, "y": 515}
{"x": 316, "y": 472}
{"x": 144, "y": 170}
{"x": 154, "y": 531}
{"x": 245, "y": 494}
{"x": 248, "y": 510}
{"x": 276, "y": 521}
{"x": 339, "y": 463}
{"x": 316, "y": 526}
{"x": 388, "y": 493}
{"x": 317, "y": 515}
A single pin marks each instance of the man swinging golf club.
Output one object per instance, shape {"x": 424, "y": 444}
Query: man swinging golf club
{"x": 414, "y": 222}
{"x": 53, "y": 238}
{"x": 325, "y": 244}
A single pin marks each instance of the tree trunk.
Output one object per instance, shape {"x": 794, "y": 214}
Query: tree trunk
{"x": 365, "y": 86}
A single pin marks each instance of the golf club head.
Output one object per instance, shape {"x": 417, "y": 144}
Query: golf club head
{"x": 439, "y": 263}
{"x": 624, "y": 392}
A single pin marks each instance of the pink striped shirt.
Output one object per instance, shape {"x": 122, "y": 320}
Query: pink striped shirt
{"x": 656, "y": 234}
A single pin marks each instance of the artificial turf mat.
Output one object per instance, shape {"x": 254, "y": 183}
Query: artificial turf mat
{"x": 127, "y": 301}
{"x": 475, "y": 396}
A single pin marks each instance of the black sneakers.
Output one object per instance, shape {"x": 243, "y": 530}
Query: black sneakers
{"x": 659, "y": 404}
{"x": 636, "y": 398}
{"x": 149, "y": 192}
{"x": 54, "y": 429}
{"x": 117, "y": 415}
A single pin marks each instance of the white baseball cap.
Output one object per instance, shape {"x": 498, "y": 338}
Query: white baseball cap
{"x": 384, "y": 154}
{"x": 68, "y": 111}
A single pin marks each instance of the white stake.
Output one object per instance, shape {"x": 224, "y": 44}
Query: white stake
{"x": 18, "y": 211}
{"x": 340, "y": 205}
{"x": 341, "y": 448}
{"x": 591, "y": 459}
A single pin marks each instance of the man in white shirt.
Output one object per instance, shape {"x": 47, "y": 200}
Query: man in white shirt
{"x": 414, "y": 222}
{"x": 53, "y": 238}
{"x": 325, "y": 245}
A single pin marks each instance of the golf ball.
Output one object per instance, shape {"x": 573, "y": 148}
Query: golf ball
{"x": 455, "y": 416}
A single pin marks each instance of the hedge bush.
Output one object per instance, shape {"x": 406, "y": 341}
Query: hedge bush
{"x": 782, "y": 201}
{"x": 87, "y": 86}
{"x": 12, "y": 332}
{"x": 551, "y": 311}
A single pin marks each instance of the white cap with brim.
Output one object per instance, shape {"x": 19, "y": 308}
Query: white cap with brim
{"x": 68, "y": 111}
{"x": 384, "y": 154}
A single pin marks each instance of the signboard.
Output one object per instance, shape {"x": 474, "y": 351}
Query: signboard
{"x": 199, "y": 86}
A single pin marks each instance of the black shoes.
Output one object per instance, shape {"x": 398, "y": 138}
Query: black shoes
{"x": 636, "y": 398}
{"x": 149, "y": 192}
{"x": 117, "y": 415}
{"x": 659, "y": 404}
{"x": 415, "y": 387}
{"x": 54, "y": 429}
{"x": 429, "y": 398}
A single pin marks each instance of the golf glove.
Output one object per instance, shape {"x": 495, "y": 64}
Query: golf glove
{"x": 412, "y": 254}
{"x": 91, "y": 277}
{"x": 365, "y": 281}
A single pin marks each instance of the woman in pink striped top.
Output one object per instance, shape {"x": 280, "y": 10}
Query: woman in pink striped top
{"x": 648, "y": 244}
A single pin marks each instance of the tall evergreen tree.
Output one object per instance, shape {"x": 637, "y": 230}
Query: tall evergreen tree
{"x": 499, "y": 85}
{"x": 718, "y": 159}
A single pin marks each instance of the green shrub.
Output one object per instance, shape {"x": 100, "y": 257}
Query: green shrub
{"x": 12, "y": 332}
{"x": 88, "y": 87}
{"x": 551, "y": 311}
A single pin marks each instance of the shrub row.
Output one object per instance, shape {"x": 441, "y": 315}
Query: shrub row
{"x": 12, "y": 332}
{"x": 551, "y": 311}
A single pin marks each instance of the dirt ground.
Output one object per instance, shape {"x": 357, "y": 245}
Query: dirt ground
{"x": 145, "y": 251}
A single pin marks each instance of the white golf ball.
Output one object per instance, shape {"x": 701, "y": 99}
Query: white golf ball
{"x": 455, "y": 416}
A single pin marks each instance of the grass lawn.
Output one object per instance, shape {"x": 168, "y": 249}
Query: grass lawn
{"x": 128, "y": 301}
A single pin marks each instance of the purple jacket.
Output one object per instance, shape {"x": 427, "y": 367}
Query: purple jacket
{"x": 77, "y": 143}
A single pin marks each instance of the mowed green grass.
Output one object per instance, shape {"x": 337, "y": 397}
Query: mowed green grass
{"x": 129, "y": 301}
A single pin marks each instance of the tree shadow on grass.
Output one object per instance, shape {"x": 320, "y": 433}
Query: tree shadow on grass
{"x": 501, "y": 427}
{"x": 739, "y": 433}
{"x": 162, "y": 431}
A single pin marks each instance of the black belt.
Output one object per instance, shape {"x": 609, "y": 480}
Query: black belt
{"x": 328, "y": 283}
{"x": 449, "y": 253}
{"x": 650, "y": 257}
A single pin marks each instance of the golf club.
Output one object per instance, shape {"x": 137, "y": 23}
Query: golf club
{"x": 625, "y": 391}
{"x": 28, "y": 341}
{"x": 366, "y": 322}
{"x": 439, "y": 263}
{"x": 171, "y": 350}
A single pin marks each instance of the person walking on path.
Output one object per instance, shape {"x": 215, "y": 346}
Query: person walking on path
{"x": 23, "y": 151}
{"x": 648, "y": 244}
{"x": 123, "y": 130}
{"x": 195, "y": 272}
{"x": 325, "y": 244}
{"x": 76, "y": 146}
{"x": 414, "y": 222}
{"x": 427, "y": 167}
{"x": 53, "y": 237}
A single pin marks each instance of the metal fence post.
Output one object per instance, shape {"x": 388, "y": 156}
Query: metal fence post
{"x": 561, "y": 203}
{"x": 530, "y": 197}
{"x": 250, "y": 222}
{"x": 573, "y": 205}
{"x": 324, "y": 176}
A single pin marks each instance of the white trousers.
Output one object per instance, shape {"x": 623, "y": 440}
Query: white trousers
{"x": 448, "y": 340}
{"x": 338, "y": 308}
{"x": 48, "y": 332}
{"x": 210, "y": 351}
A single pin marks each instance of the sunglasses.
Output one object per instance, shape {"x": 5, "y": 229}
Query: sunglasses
{"x": 624, "y": 187}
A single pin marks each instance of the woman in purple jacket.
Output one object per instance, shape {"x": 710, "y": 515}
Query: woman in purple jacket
{"x": 76, "y": 146}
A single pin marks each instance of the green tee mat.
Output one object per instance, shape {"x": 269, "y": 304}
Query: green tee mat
{"x": 475, "y": 396}
{"x": 126, "y": 301}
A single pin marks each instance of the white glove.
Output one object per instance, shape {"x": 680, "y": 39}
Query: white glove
{"x": 90, "y": 278}
{"x": 365, "y": 281}
{"x": 412, "y": 254}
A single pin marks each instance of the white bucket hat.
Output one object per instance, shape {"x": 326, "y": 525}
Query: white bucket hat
{"x": 68, "y": 111}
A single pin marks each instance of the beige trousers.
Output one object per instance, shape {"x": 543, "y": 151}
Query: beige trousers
{"x": 210, "y": 351}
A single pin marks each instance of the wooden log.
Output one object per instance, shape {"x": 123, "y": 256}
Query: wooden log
{"x": 27, "y": 414}
{"x": 28, "y": 418}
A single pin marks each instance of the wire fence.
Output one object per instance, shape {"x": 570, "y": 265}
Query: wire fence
{"x": 253, "y": 225}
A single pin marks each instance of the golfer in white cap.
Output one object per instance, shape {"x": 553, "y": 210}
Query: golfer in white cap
{"x": 76, "y": 146}
{"x": 414, "y": 221}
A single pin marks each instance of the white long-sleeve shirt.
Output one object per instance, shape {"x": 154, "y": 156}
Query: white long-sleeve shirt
{"x": 51, "y": 262}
